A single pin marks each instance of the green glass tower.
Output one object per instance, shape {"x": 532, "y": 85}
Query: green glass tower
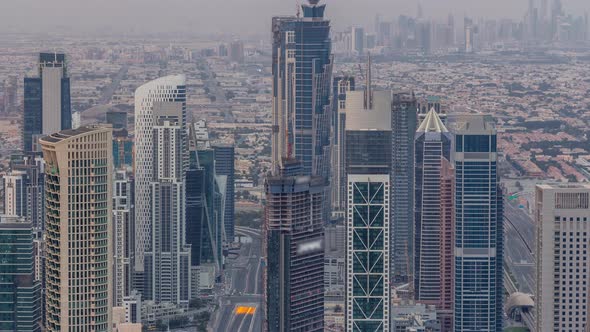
{"x": 20, "y": 307}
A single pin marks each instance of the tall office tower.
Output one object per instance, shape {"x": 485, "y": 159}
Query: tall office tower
{"x": 167, "y": 263}
{"x": 164, "y": 89}
{"x": 368, "y": 168}
{"x": 468, "y": 32}
{"x": 20, "y": 293}
{"x": 78, "y": 229}
{"x": 340, "y": 88}
{"x": 447, "y": 245}
{"x": 302, "y": 74}
{"x": 204, "y": 219}
{"x": 403, "y": 127}
{"x": 433, "y": 150}
{"x": 123, "y": 237}
{"x": 224, "y": 166}
{"x": 563, "y": 232}
{"x": 15, "y": 193}
{"x": 47, "y": 105}
{"x": 294, "y": 276}
{"x": 10, "y": 94}
{"x": 236, "y": 51}
{"x": 479, "y": 228}
{"x": 358, "y": 39}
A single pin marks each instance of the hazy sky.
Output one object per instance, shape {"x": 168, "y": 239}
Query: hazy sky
{"x": 230, "y": 16}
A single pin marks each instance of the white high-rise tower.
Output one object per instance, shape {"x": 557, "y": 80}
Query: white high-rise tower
{"x": 165, "y": 89}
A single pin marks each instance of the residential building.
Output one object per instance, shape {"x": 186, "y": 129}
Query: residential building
{"x": 123, "y": 237}
{"x": 167, "y": 263}
{"x": 164, "y": 89}
{"x": 47, "y": 105}
{"x": 78, "y": 229}
{"x": 479, "y": 231}
{"x": 562, "y": 220}
{"x": 403, "y": 128}
{"x": 20, "y": 293}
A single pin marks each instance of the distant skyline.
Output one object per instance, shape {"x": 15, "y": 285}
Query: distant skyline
{"x": 231, "y": 16}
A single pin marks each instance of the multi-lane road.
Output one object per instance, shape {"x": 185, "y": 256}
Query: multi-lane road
{"x": 520, "y": 247}
{"x": 243, "y": 288}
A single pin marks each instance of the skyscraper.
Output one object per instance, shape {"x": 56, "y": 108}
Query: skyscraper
{"x": 236, "y": 51}
{"x": 78, "y": 232}
{"x": 403, "y": 127}
{"x": 432, "y": 224}
{"x": 302, "y": 74}
{"x": 341, "y": 86}
{"x": 47, "y": 105}
{"x": 124, "y": 237}
{"x": 15, "y": 193}
{"x": 563, "y": 232}
{"x": 368, "y": 168}
{"x": 224, "y": 166}
{"x": 358, "y": 39}
{"x": 294, "y": 251}
{"x": 20, "y": 293}
{"x": 167, "y": 263}
{"x": 10, "y": 94}
{"x": 203, "y": 219}
{"x": 478, "y": 226}
{"x": 164, "y": 89}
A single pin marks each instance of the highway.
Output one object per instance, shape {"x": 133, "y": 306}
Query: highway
{"x": 520, "y": 247}
{"x": 243, "y": 288}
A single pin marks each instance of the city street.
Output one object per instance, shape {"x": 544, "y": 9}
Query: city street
{"x": 244, "y": 288}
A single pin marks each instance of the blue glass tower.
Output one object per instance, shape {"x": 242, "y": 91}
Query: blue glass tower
{"x": 224, "y": 165}
{"x": 302, "y": 73}
{"x": 479, "y": 243}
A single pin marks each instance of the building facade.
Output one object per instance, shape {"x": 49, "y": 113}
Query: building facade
{"x": 15, "y": 193}
{"x": 124, "y": 237}
{"x": 368, "y": 168}
{"x": 432, "y": 231}
{"x": 341, "y": 86}
{"x": 47, "y": 105}
{"x": 167, "y": 264}
{"x": 403, "y": 127}
{"x": 479, "y": 231}
{"x": 165, "y": 89}
{"x": 302, "y": 76}
{"x": 78, "y": 230}
{"x": 224, "y": 166}
{"x": 562, "y": 215}
{"x": 294, "y": 276}
{"x": 20, "y": 293}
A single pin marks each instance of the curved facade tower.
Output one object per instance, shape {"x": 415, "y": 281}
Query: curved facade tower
{"x": 78, "y": 229}
{"x": 164, "y": 89}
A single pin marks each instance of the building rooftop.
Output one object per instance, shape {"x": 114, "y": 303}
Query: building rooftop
{"x": 432, "y": 123}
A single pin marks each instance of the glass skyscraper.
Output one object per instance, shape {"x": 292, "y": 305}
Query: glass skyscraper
{"x": 403, "y": 127}
{"x": 224, "y": 165}
{"x": 302, "y": 74}
{"x": 433, "y": 229}
{"x": 47, "y": 105}
{"x": 478, "y": 226}
{"x": 20, "y": 293}
{"x": 368, "y": 168}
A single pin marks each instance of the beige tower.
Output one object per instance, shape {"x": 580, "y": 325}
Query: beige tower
{"x": 78, "y": 191}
